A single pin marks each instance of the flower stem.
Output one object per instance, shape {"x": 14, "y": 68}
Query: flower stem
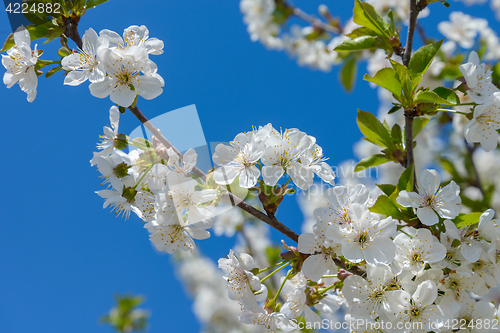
{"x": 268, "y": 268}
{"x": 274, "y": 272}
{"x": 327, "y": 288}
{"x": 143, "y": 175}
{"x": 282, "y": 285}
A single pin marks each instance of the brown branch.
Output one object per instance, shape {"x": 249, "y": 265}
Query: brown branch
{"x": 411, "y": 31}
{"x": 354, "y": 270}
{"x": 272, "y": 221}
{"x": 410, "y": 114}
{"x": 71, "y": 29}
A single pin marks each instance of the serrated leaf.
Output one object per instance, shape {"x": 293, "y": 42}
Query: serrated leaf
{"x": 370, "y": 162}
{"x": 388, "y": 189}
{"x": 53, "y": 71}
{"x": 403, "y": 75}
{"x": 348, "y": 74}
{"x": 418, "y": 124}
{"x": 406, "y": 180}
{"x": 358, "y": 43}
{"x": 395, "y": 108}
{"x": 386, "y": 78}
{"x": 361, "y": 31}
{"x": 396, "y": 133}
{"x": 385, "y": 206}
{"x": 9, "y": 42}
{"x": 373, "y": 129}
{"x": 64, "y": 51}
{"x": 422, "y": 59}
{"x": 467, "y": 220}
{"x": 430, "y": 97}
{"x": 448, "y": 95}
{"x": 366, "y": 16}
{"x": 142, "y": 144}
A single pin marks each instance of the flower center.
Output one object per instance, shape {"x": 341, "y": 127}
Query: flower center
{"x": 416, "y": 258}
{"x": 414, "y": 312}
{"x": 362, "y": 238}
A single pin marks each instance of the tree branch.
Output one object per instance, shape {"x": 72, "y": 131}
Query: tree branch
{"x": 411, "y": 31}
{"x": 410, "y": 114}
{"x": 71, "y": 29}
{"x": 272, "y": 221}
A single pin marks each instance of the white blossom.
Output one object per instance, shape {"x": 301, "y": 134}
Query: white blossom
{"x": 432, "y": 199}
{"x": 239, "y": 159}
{"x": 418, "y": 311}
{"x": 84, "y": 64}
{"x": 365, "y": 238}
{"x": 478, "y": 78}
{"x": 241, "y": 282}
{"x": 133, "y": 36}
{"x": 413, "y": 253}
{"x": 20, "y": 64}
{"x": 129, "y": 74}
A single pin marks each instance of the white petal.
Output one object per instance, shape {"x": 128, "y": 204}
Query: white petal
{"x": 427, "y": 216}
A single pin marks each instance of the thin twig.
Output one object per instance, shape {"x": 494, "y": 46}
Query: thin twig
{"x": 314, "y": 21}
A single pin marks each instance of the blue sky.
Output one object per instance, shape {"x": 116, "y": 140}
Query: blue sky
{"x": 62, "y": 256}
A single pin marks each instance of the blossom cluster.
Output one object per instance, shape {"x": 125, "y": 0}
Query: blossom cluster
{"x": 291, "y": 151}
{"x": 486, "y": 120}
{"x": 177, "y": 206}
{"x": 116, "y": 66}
{"x": 407, "y": 277}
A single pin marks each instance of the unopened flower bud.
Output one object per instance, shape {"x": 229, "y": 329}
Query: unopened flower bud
{"x": 324, "y": 11}
{"x": 343, "y": 274}
{"x": 270, "y": 305}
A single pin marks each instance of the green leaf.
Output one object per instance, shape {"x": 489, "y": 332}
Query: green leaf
{"x": 358, "y": 43}
{"x": 361, "y": 31}
{"x": 430, "y": 97}
{"x": 386, "y": 78}
{"x": 348, "y": 74}
{"x": 406, "y": 180}
{"x": 467, "y": 220}
{"x": 447, "y": 94}
{"x": 418, "y": 124}
{"x": 64, "y": 51}
{"x": 366, "y": 16}
{"x": 403, "y": 75}
{"x": 53, "y": 71}
{"x": 422, "y": 59}
{"x": 9, "y": 42}
{"x": 142, "y": 144}
{"x": 397, "y": 135}
{"x": 370, "y": 162}
{"x": 373, "y": 129}
{"x": 385, "y": 206}
{"x": 395, "y": 108}
{"x": 388, "y": 189}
